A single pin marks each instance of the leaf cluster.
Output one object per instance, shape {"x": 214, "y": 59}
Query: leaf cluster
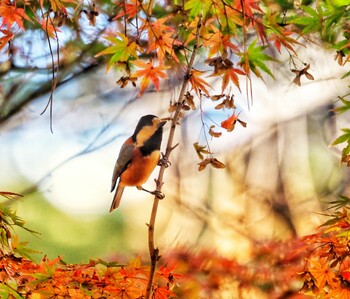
{"x": 22, "y": 278}
{"x": 327, "y": 267}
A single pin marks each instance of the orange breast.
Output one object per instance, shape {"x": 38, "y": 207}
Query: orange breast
{"x": 139, "y": 169}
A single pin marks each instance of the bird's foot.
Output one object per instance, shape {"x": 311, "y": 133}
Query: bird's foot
{"x": 164, "y": 160}
{"x": 157, "y": 193}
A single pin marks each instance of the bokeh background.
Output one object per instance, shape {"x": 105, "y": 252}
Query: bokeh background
{"x": 280, "y": 170}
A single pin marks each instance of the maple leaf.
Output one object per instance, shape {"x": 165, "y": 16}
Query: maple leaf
{"x": 230, "y": 18}
{"x": 339, "y": 293}
{"x": 254, "y": 59}
{"x": 128, "y": 9}
{"x": 198, "y": 7}
{"x": 283, "y": 39}
{"x": 49, "y": 28}
{"x": 322, "y": 273}
{"x": 167, "y": 272}
{"x": 149, "y": 73}
{"x": 224, "y": 67}
{"x": 280, "y": 35}
{"x": 122, "y": 50}
{"x": 230, "y": 123}
{"x": 10, "y": 15}
{"x": 249, "y": 6}
{"x": 231, "y": 75}
{"x": 156, "y": 28}
{"x": 161, "y": 292}
{"x": 311, "y": 21}
{"x": 6, "y": 39}
{"x": 164, "y": 44}
{"x": 217, "y": 42}
{"x": 198, "y": 84}
{"x": 160, "y": 38}
{"x": 57, "y": 5}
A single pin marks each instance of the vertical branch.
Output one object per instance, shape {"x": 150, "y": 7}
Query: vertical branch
{"x": 154, "y": 251}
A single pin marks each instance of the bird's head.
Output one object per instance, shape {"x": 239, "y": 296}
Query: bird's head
{"x": 147, "y": 126}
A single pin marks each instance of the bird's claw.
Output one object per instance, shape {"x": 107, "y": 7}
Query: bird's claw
{"x": 164, "y": 160}
{"x": 158, "y": 194}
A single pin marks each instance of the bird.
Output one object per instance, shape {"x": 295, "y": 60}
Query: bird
{"x": 138, "y": 157}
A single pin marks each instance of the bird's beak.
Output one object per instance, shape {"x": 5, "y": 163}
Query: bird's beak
{"x": 162, "y": 123}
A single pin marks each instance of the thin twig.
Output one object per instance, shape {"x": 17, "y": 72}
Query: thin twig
{"x": 154, "y": 251}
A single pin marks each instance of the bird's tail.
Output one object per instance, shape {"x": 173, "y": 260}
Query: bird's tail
{"x": 117, "y": 197}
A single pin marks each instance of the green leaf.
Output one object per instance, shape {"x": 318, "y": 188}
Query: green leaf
{"x": 257, "y": 58}
{"x": 122, "y": 49}
{"x": 343, "y": 201}
{"x": 341, "y": 2}
{"x": 312, "y": 22}
{"x": 7, "y": 292}
{"x": 344, "y": 108}
{"x": 346, "y": 150}
{"x": 198, "y": 7}
{"x": 341, "y": 139}
{"x": 346, "y": 75}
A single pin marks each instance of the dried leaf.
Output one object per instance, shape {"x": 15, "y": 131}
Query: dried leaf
{"x": 213, "y": 133}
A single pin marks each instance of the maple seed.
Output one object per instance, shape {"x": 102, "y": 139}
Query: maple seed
{"x": 213, "y": 133}
{"x": 219, "y": 64}
{"x": 124, "y": 80}
{"x": 339, "y": 57}
{"x": 213, "y": 162}
{"x": 299, "y": 73}
{"x": 217, "y": 97}
{"x": 189, "y": 100}
{"x": 91, "y": 14}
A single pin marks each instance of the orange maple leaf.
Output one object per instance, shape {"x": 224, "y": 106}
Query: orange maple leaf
{"x": 322, "y": 273}
{"x": 218, "y": 42}
{"x": 164, "y": 44}
{"x": 339, "y": 293}
{"x": 162, "y": 293}
{"x": 149, "y": 73}
{"x": 198, "y": 83}
{"x": 10, "y": 15}
{"x": 160, "y": 38}
{"x": 231, "y": 75}
{"x": 49, "y": 28}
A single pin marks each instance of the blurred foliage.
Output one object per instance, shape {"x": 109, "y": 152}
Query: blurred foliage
{"x": 75, "y": 238}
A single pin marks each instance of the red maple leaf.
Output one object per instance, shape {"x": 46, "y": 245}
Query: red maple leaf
{"x": 128, "y": 9}
{"x": 230, "y": 123}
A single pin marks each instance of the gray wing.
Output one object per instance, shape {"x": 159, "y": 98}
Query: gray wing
{"x": 122, "y": 163}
